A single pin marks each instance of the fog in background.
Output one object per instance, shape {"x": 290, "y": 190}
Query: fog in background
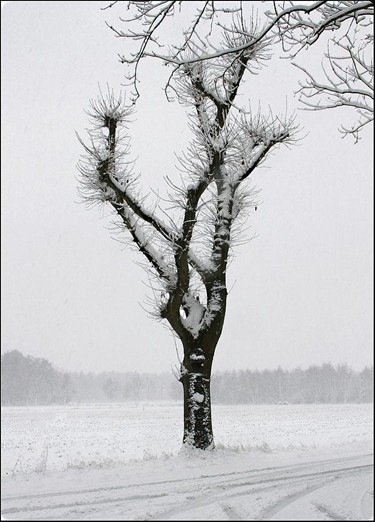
{"x": 301, "y": 291}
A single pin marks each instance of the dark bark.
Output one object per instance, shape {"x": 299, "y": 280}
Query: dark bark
{"x": 197, "y": 411}
{"x": 195, "y": 374}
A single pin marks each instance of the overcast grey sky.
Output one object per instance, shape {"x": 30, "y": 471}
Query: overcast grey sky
{"x": 301, "y": 291}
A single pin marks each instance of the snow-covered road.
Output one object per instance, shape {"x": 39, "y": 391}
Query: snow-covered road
{"x": 219, "y": 487}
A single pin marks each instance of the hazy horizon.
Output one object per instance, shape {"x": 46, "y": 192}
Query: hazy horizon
{"x": 170, "y": 370}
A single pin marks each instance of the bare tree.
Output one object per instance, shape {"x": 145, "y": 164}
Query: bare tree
{"x": 347, "y": 65}
{"x": 188, "y": 250}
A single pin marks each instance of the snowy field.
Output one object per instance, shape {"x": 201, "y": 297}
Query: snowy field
{"x": 122, "y": 462}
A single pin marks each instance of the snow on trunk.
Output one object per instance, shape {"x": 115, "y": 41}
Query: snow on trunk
{"x": 197, "y": 411}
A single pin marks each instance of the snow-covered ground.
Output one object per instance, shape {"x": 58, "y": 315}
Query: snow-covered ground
{"x": 122, "y": 462}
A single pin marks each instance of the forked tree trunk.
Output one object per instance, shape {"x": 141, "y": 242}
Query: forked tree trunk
{"x": 197, "y": 411}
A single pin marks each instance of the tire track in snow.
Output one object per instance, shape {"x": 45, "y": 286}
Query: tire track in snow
{"x": 289, "y": 499}
{"x": 256, "y": 487}
{"x": 223, "y": 484}
{"x": 291, "y": 467}
{"x": 330, "y": 513}
{"x": 82, "y": 503}
{"x": 197, "y": 492}
{"x": 366, "y": 501}
{"x": 281, "y": 504}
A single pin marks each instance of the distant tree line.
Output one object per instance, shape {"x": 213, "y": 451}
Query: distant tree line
{"x": 323, "y": 384}
{"x": 127, "y": 386}
{"x": 27, "y": 380}
{"x": 30, "y": 380}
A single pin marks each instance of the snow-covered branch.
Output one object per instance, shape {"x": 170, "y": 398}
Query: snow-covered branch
{"x": 347, "y": 66}
{"x": 347, "y": 83}
{"x": 106, "y": 176}
{"x": 294, "y": 25}
{"x": 230, "y": 143}
{"x": 300, "y": 26}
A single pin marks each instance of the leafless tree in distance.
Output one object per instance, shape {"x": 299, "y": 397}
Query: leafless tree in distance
{"x": 187, "y": 249}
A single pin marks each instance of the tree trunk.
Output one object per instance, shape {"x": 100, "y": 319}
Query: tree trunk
{"x": 197, "y": 411}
